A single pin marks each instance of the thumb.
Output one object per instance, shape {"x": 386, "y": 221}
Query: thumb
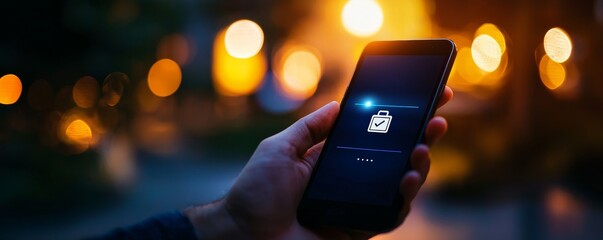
{"x": 309, "y": 130}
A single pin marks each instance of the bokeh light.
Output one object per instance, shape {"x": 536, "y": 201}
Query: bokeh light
{"x": 481, "y": 62}
{"x": 79, "y": 132}
{"x": 552, "y": 73}
{"x": 407, "y": 19}
{"x": 571, "y": 88}
{"x": 244, "y": 39}
{"x": 557, "y": 45}
{"x": 164, "y": 77}
{"x": 494, "y": 32}
{"x": 362, "y": 17}
{"x": 466, "y": 68}
{"x": 562, "y": 207}
{"x": 298, "y": 71}
{"x": 466, "y": 76}
{"x": 10, "y": 89}
{"x": 236, "y": 76}
{"x": 301, "y": 73}
{"x": 175, "y": 47}
{"x": 113, "y": 88}
{"x": 486, "y": 52}
{"x": 85, "y": 92}
{"x": 118, "y": 161}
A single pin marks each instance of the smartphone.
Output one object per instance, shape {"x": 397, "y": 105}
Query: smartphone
{"x": 392, "y": 95}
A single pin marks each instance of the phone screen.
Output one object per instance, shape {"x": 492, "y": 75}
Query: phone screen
{"x": 380, "y": 123}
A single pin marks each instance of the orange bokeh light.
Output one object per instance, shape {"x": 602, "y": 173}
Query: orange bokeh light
{"x": 85, "y": 92}
{"x": 164, "y": 77}
{"x": 10, "y": 89}
{"x": 467, "y": 68}
{"x": 79, "y": 132}
{"x": 298, "y": 71}
{"x": 552, "y": 73}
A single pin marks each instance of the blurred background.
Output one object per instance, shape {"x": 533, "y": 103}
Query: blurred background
{"x": 114, "y": 111}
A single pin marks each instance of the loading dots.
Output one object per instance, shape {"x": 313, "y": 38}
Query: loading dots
{"x": 364, "y": 159}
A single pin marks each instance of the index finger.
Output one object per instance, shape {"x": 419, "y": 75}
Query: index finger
{"x": 446, "y": 96}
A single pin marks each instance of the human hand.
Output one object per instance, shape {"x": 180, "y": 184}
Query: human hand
{"x": 263, "y": 201}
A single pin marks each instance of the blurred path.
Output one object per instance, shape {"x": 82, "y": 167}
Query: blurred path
{"x": 163, "y": 185}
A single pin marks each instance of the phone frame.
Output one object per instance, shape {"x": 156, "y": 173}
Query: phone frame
{"x": 365, "y": 217}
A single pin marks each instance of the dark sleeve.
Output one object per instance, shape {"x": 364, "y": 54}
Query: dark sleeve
{"x": 172, "y": 225}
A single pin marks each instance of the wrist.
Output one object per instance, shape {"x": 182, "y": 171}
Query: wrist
{"x": 213, "y": 221}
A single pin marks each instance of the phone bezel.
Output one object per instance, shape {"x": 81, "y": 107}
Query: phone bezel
{"x": 366, "y": 217}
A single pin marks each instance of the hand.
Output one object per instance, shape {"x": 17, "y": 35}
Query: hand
{"x": 262, "y": 202}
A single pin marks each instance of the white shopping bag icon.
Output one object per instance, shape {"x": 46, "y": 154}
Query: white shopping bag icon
{"x": 380, "y": 122}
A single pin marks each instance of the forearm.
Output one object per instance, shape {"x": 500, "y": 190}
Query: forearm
{"x": 172, "y": 225}
{"x": 212, "y": 221}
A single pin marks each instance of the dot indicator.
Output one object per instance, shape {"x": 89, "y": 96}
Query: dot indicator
{"x": 364, "y": 159}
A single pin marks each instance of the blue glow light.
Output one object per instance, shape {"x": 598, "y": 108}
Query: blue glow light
{"x": 368, "y": 104}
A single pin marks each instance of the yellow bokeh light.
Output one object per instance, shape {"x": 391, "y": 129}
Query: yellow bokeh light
{"x": 552, "y": 73}
{"x": 481, "y": 62}
{"x": 164, "y": 77}
{"x": 486, "y": 52}
{"x": 466, "y": 68}
{"x": 407, "y": 19}
{"x": 493, "y": 31}
{"x": 236, "y": 76}
{"x": 300, "y": 73}
{"x": 85, "y": 92}
{"x": 362, "y": 17}
{"x": 467, "y": 77}
{"x": 10, "y": 89}
{"x": 557, "y": 45}
{"x": 79, "y": 132}
{"x": 244, "y": 39}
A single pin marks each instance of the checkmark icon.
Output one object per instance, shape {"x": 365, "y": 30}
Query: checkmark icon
{"x": 380, "y": 122}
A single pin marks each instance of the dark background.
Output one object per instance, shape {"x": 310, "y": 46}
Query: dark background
{"x": 520, "y": 161}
